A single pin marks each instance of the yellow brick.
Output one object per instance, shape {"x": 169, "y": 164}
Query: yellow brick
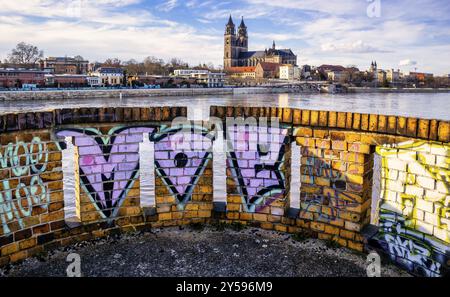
{"x": 246, "y": 216}
{"x": 340, "y": 241}
{"x": 204, "y": 213}
{"x": 320, "y": 181}
{"x": 266, "y": 225}
{"x": 27, "y": 243}
{"x": 324, "y": 236}
{"x": 260, "y": 217}
{"x": 233, "y": 215}
{"x": 352, "y": 137}
{"x": 234, "y": 199}
{"x": 191, "y": 206}
{"x": 304, "y": 132}
{"x": 359, "y": 148}
{"x": 233, "y": 207}
{"x": 352, "y": 226}
{"x": 191, "y": 214}
{"x": 317, "y": 226}
{"x": 352, "y": 178}
{"x": 331, "y": 230}
{"x": 18, "y": 256}
{"x": 165, "y": 216}
{"x": 347, "y": 234}
{"x": 280, "y": 228}
{"x": 10, "y": 248}
{"x": 339, "y": 145}
{"x": 305, "y": 141}
{"x": 355, "y": 245}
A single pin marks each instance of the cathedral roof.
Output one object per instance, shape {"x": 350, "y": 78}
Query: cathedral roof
{"x": 252, "y": 54}
{"x": 262, "y": 54}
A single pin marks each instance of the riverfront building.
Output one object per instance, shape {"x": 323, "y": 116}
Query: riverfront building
{"x": 18, "y": 78}
{"x": 64, "y": 65}
{"x": 109, "y": 76}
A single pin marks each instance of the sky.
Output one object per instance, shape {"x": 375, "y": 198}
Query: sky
{"x": 400, "y": 34}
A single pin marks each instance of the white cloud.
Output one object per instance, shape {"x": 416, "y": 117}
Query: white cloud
{"x": 407, "y": 62}
{"x": 101, "y": 32}
{"x": 355, "y": 47}
{"x": 167, "y": 5}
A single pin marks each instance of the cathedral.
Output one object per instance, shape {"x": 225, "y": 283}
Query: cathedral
{"x": 236, "y": 51}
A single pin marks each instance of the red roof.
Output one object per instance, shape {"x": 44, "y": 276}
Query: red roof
{"x": 331, "y": 68}
{"x": 240, "y": 69}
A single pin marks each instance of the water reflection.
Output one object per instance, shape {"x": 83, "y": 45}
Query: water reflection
{"x": 422, "y": 105}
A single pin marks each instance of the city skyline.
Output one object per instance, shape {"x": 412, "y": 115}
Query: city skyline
{"x": 396, "y": 34}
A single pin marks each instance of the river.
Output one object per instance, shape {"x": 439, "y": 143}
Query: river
{"x": 421, "y": 105}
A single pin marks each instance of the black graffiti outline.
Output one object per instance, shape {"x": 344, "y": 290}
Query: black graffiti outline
{"x": 275, "y": 168}
{"x": 182, "y": 199}
{"x": 109, "y": 208}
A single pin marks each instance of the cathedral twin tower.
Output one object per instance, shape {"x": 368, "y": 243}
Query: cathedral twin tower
{"x": 236, "y": 51}
{"x": 234, "y": 44}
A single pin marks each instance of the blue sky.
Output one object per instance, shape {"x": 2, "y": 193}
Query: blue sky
{"x": 401, "y": 34}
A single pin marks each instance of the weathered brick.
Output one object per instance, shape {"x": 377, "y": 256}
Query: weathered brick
{"x": 444, "y": 131}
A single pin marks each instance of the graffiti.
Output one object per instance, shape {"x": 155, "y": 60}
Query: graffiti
{"x": 182, "y": 153}
{"x": 335, "y": 200}
{"x": 409, "y": 248}
{"x": 257, "y": 162}
{"x": 318, "y": 167}
{"x": 334, "y": 197}
{"x": 414, "y": 225}
{"x": 108, "y": 164}
{"x": 412, "y": 251}
{"x": 20, "y": 194}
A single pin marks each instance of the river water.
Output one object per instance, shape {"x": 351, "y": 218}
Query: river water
{"x": 421, "y": 105}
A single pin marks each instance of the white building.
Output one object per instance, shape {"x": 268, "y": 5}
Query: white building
{"x": 336, "y": 75}
{"x": 392, "y": 76}
{"x": 210, "y": 79}
{"x": 289, "y": 72}
{"x": 109, "y": 76}
{"x": 188, "y": 72}
{"x": 94, "y": 81}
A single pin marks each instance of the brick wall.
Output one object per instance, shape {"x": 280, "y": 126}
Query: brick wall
{"x": 336, "y": 174}
{"x": 414, "y": 207}
{"x": 31, "y": 197}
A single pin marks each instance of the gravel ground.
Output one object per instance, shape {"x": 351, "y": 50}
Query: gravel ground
{"x": 188, "y": 251}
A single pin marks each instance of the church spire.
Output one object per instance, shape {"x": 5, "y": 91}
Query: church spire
{"x": 230, "y": 21}
{"x": 273, "y": 45}
{"x": 229, "y": 28}
{"x": 242, "y": 30}
{"x": 242, "y": 25}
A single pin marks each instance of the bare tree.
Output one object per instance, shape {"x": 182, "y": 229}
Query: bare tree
{"x": 25, "y": 54}
{"x": 115, "y": 62}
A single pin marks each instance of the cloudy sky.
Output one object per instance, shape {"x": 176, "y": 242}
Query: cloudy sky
{"x": 405, "y": 34}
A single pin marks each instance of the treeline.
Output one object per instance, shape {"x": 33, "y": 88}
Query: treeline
{"x": 27, "y": 55}
{"x": 153, "y": 65}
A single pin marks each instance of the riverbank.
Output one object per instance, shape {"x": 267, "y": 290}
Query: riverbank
{"x": 188, "y": 92}
{"x": 392, "y": 90}
{"x": 127, "y": 93}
